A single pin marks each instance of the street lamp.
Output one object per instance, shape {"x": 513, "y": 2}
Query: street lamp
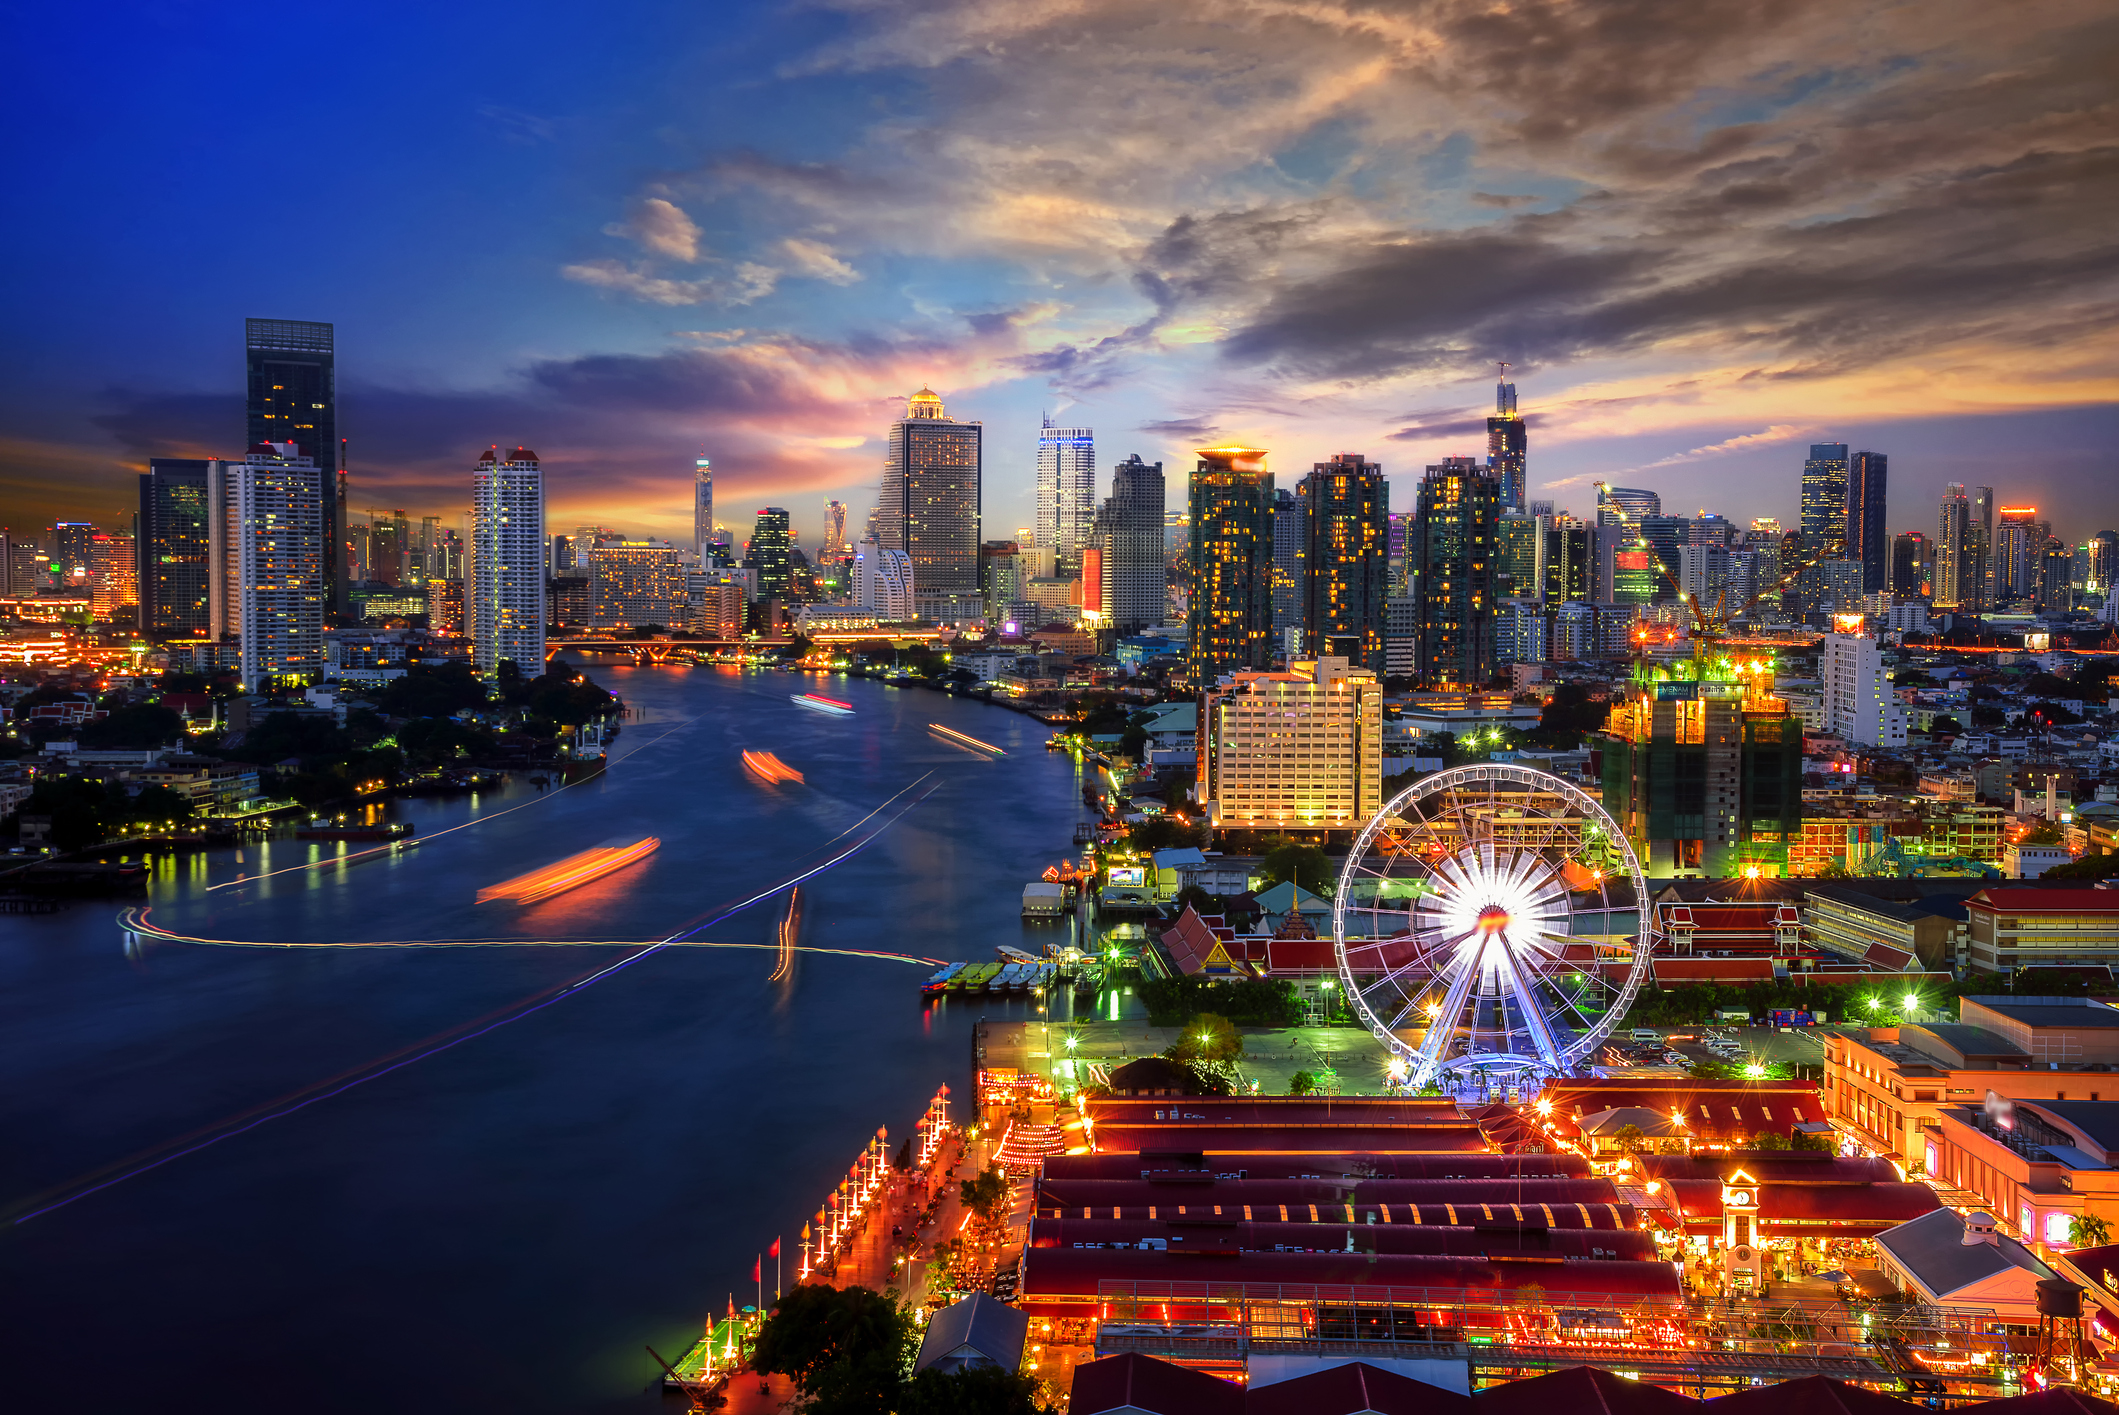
{"x": 1754, "y": 1070}
{"x": 1912, "y": 1001}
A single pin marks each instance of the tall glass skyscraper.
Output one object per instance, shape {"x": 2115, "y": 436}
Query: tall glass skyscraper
{"x": 1129, "y": 541}
{"x": 1624, "y": 505}
{"x": 1824, "y": 527}
{"x": 507, "y": 584}
{"x": 702, "y": 507}
{"x": 1230, "y": 624}
{"x": 1066, "y": 491}
{"x": 771, "y": 552}
{"x": 279, "y": 564}
{"x": 175, "y": 550}
{"x": 1455, "y": 564}
{"x": 1507, "y": 446}
{"x": 292, "y": 382}
{"x": 1953, "y": 548}
{"x": 929, "y": 505}
{"x": 1867, "y": 540}
{"x": 1345, "y": 505}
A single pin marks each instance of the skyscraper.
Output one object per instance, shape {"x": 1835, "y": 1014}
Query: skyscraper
{"x": 2016, "y": 560}
{"x": 703, "y": 507}
{"x": 1825, "y": 501}
{"x": 1867, "y": 541}
{"x": 1978, "y": 592}
{"x": 113, "y": 577}
{"x": 1953, "y": 547}
{"x": 176, "y": 550}
{"x": 1129, "y": 542}
{"x": 280, "y": 563}
{"x": 72, "y": 545}
{"x": 1066, "y": 491}
{"x": 771, "y": 553}
{"x": 1289, "y": 547}
{"x": 1231, "y": 618}
{"x": 1624, "y": 505}
{"x": 834, "y": 531}
{"x": 1570, "y": 560}
{"x": 1507, "y": 446}
{"x": 507, "y": 586}
{"x": 1345, "y": 505}
{"x": 883, "y": 582}
{"x": 635, "y": 583}
{"x": 292, "y": 381}
{"x": 1912, "y": 567}
{"x": 929, "y": 505}
{"x": 1453, "y": 572}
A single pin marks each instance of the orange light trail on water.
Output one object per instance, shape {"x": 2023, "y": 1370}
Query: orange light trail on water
{"x": 571, "y": 873}
{"x": 963, "y": 739}
{"x": 770, "y": 767}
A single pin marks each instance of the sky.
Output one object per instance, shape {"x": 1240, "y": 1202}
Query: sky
{"x": 1703, "y": 236}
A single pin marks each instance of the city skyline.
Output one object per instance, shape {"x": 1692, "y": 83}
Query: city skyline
{"x": 764, "y": 288}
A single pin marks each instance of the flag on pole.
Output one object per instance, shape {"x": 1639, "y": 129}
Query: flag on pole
{"x": 774, "y": 1251}
{"x": 757, "y": 1271}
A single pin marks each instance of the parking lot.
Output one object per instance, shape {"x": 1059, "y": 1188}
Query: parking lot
{"x": 1770, "y": 1045}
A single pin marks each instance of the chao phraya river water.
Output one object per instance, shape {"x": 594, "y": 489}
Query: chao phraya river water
{"x": 501, "y": 1225}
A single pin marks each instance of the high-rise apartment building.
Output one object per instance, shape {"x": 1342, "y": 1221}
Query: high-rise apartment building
{"x": 1066, "y": 491}
{"x": 176, "y": 550}
{"x": 1704, "y": 579}
{"x": 1507, "y": 447}
{"x": 1625, "y": 505}
{"x": 1453, "y": 569}
{"x": 1825, "y": 501}
{"x": 1522, "y": 629}
{"x": 1401, "y": 637}
{"x": 291, "y": 382}
{"x": 279, "y": 580}
{"x": 1231, "y": 553}
{"x": 2015, "y": 557}
{"x": 883, "y": 582}
{"x": 929, "y": 505}
{"x": 1129, "y": 545}
{"x": 1860, "y": 705}
{"x": 1570, "y": 562}
{"x": 506, "y": 579}
{"x": 1978, "y": 587}
{"x": 1912, "y": 565}
{"x": 445, "y": 607}
{"x": 1300, "y": 750}
{"x": 389, "y": 547}
{"x": 703, "y": 507}
{"x": 2056, "y": 573}
{"x": 1953, "y": 548}
{"x": 1867, "y": 540}
{"x": 25, "y": 566}
{"x": 1345, "y": 510}
{"x": 1522, "y": 555}
{"x": 73, "y": 544}
{"x": 771, "y": 552}
{"x": 1290, "y": 542}
{"x": 113, "y": 577}
{"x": 634, "y": 583}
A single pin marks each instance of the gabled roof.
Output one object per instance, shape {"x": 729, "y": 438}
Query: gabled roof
{"x": 1811, "y": 1395}
{"x": 1288, "y": 895}
{"x": 1583, "y": 1390}
{"x": 1932, "y": 1249}
{"x": 1132, "y": 1382}
{"x": 992, "y": 1331}
{"x": 1355, "y": 1388}
{"x": 2046, "y": 901}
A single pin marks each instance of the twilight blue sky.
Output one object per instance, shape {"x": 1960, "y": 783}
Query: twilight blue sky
{"x": 1707, "y": 236}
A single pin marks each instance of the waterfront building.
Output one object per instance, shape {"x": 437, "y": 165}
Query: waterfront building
{"x": 1229, "y": 626}
{"x": 291, "y": 381}
{"x": 176, "y": 550}
{"x": 1860, "y": 705}
{"x": 1454, "y": 569}
{"x": 1128, "y": 540}
{"x": 634, "y": 583}
{"x": 1912, "y": 565}
{"x": 1296, "y": 750}
{"x": 1521, "y": 630}
{"x": 1867, "y": 540}
{"x": 1345, "y": 509}
{"x": 1625, "y": 505}
{"x": 506, "y": 581}
{"x": 884, "y": 582}
{"x": 1824, "y": 529}
{"x": 1066, "y": 491}
{"x": 703, "y": 507}
{"x": 1289, "y": 545}
{"x": 2035, "y": 1165}
{"x": 713, "y": 604}
{"x": 280, "y": 565}
{"x": 1705, "y": 776}
{"x": 1507, "y": 446}
{"x": 928, "y": 509}
{"x": 770, "y": 552}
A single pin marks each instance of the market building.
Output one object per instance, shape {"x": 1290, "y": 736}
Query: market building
{"x": 2035, "y": 1165}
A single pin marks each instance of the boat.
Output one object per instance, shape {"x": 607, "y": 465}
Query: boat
{"x": 940, "y": 981}
{"x": 817, "y": 702}
{"x": 1014, "y": 955}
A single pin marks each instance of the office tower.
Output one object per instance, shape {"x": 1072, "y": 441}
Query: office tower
{"x": 1622, "y": 505}
{"x": 1766, "y": 526}
{"x": 388, "y": 548}
{"x": 2056, "y": 576}
{"x": 445, "y": 607}
{"x": 770, "y": 553}
{"x": 1570, "y": 561}
{"x": 1230, "y": 620}
{"x": 1290, "y": 542}
{"x": 1752, "y": 574}
{"x": 1632, "y": 575}
{"x": 1867, "y": 541}
{"x": 1860, "y": 704}
{"x": 1953, "y": 546}
{"x": 1248, "y": 776}
{"x": 635, "y": 583}
{"x": 1541, "y": 508}
{"x": 2104, "y": 562}
{"x": 113, "y": 577}
{"x": 25, "y": 568}
{"x": 703, "y": 507}
{"x": 1129, "y": 545}
{"x": 1506, "y": 446}
{"x": 1066, "y": 491}
{"x": 1825, "y": 501}
{"x": 1703, "y": 578}
{"x": 1829, "y": 587}
{"x": 1454, "y": 569}
{"x": 292, "y": 383}
{"x": 834, "y": 531}
{"x": 1521, "y": 632}
{"x": 280, "y": 581}
{"x": 929, "y": 505}
{"x": 71, "y": 548}
{"x": 176, "y": 550}
{"x": 883, "y": 582}
{"x": 1522, "y": 555}
{"x": 1710, "y": 528}
{"x": 1977, "y": 587}
{"x": 1345, "y": 506}
{"x": 566, "y": 556}
{"x": 1664, "y": 536}
{"x": 1401, "y": 636}
{"x": 1912, "y": 565}
{"x": 2013, "y": 560}
{"x": 506, "y": 580}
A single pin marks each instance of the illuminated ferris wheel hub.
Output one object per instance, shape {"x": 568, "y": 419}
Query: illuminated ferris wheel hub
{"x": 1485, "y": 922}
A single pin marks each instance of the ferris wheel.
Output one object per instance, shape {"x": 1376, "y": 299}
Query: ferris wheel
{"x": 1485, "y": 923}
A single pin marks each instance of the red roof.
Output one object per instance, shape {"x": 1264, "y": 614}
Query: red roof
{"x": 1428, "y": 1166}
{"x": 2046, "y": 901}
{"x": 1219, "y": 1238}
{"x": 1337, "y": 1139}
{"x": 1812, "y": 1395}
{"x": 1191, "y": 941}
{"x": 1135, "y": 1382}
{"x": 1075, "y": 1273}
{"x": 1710, "y": 1107}
{"x": 1768, "y": 1167}
{"x": 1300, "y": 955}
{"x": 1356, "y": 1388}
{"x": 1862, "y": 1204}
{"x": 1583, "y": 1390}
{"x": 1713, "y": 970}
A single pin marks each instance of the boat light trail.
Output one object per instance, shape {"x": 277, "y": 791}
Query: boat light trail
{"x": 573, "y": 872}
{"x": 789, "y": 928}
{"x": 395, "y": 845}
{"x": 770, "y": 768}
{"x": 817, "y": 702}
{"x": 417, "y": 1052}
{"x": 961, "y": 739}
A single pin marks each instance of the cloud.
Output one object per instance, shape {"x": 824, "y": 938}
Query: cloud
{"x": 1779, "y": 432}
{"x": 815, "y": 259}
{"x": 660, "y": 227}
{"x": 1200, "y": 430}
{"x": 747, "y": 282}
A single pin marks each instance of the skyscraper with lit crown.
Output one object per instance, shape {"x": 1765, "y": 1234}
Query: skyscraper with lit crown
{"x": 1230, "y": 622}
{"x": 1066, "y": 491}
{"x": 1507, "y": 446}
{"x": 702, "y": 506}
{"x": 928, "y": 507}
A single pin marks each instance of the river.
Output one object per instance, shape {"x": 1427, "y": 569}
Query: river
{"x": 503, "y": 1224}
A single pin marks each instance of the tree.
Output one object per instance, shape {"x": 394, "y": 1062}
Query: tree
{"x": 141, "y": 725}
{"x": 2088, "y": 867}
{"x": 985, "y": 1194}
{"x": 1208, "y": 1037}
{"x": 1570, "y": 710}
{"x": 2088, "y": 1231}
{"x": 844, "y": 1348}
{"x": 1945, "y": 726}
{"x": 1770, "y": 1140}
{"x": 433, "y": 692}
{"x": 1302, "y": 1083}
{"x": 1307, "y": 866}
{"x": 1810, "y": 1140}
{"x": 1630, "y": 1139}
{"x": 2044, "y": 833}
{"x": 976, "y": 1390}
